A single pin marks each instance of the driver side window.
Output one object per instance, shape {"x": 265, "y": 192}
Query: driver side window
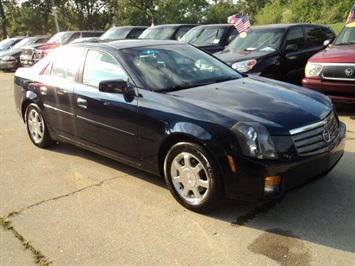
{"x": 101, "y": 66}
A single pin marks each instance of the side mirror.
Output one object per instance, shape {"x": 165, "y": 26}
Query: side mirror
{"x": 117, "y": 86}
{"x": 291, "y": 48}
{"x": 327, "y": 42}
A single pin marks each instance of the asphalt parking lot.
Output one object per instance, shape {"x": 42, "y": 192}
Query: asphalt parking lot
{"x": 68, "y": 206}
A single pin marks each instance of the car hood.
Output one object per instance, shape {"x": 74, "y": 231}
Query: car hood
{"x": 335, "y": 54}
{"x": 236, "y": 56}
{"x": 278, "y": 106}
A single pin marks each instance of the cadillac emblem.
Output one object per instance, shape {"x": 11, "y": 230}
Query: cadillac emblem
{"x": 326, "y": 136}
{"x": 349, "y": 72}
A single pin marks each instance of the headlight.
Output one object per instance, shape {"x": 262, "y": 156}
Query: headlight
{"x": 255, "y": 140}
{"x": 8, "y": 58}
{"x": 244, "y": 66}
{"x": 313, "y": 70}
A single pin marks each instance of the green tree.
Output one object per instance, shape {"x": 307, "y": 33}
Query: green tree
{"x": 219, "y": 11}
{"x": 8, "y": 13}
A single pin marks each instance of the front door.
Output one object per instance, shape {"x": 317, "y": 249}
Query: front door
{"x": 106, "y": 121}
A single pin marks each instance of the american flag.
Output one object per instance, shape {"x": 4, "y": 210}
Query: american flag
{"x": 234, "y": 18}
{"x": 243, "y": 24}
{"x": 351, "y": 15}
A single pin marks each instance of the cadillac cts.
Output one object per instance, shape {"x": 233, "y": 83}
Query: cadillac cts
{"x": 175, "y": 111}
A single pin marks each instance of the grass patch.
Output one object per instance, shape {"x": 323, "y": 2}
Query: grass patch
{"x": 337, "y": 27}
{"x": 40, "y": 259}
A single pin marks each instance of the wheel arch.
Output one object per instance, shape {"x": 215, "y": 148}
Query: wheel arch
{"x": 175, "y": 138}
{"x": 29, "y": 97}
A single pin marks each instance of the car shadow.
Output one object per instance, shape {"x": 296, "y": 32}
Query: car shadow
{"x": 321, "y": 213}
{"x": 346, "y": 109}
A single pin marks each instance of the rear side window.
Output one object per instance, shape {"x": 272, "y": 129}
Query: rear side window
{"x": 328, "y": 34}
{"x": 295, "y": 36}
{"x": 314, "y": 36}
{"x": 65, "y": 63}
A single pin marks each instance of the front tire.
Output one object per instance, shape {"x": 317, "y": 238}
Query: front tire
{"x": 37, "y": 127}
{"x": 193, "y": 177}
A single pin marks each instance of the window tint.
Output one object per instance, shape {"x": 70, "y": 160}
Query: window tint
{"x": 328, "y": 34}
{"x": 101, "y": 66}
{"x": 65, "y": 64}
{"x": 314, "y": 36}
{"x": 181, "y": 32}
{"x": 295, "y": 36}
{"x": 233, "y": 34}
{"x": 75, "y": 35}
{"x": 135, "y": 33}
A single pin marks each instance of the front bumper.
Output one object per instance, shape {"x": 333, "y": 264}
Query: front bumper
{"x": 27, "y": 60}
{"x": 249, "y": 182}
{"x": 8, "y": 65}
{"x": 337, "y": 91}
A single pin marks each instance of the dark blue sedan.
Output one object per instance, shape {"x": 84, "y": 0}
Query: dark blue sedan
{"x": 175, "y": 111}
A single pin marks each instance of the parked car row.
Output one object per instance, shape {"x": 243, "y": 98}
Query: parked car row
{"x": 10, "y": 59}
{"x": 279, "y": 51}
{"x": 31, "y": 55}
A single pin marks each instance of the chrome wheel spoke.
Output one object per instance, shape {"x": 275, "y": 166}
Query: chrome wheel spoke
{"x": 190, "y": 177}
{"x": 35, "y": 126}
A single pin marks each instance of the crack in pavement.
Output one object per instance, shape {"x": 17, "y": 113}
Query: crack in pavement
{"x": 6, "y": 224}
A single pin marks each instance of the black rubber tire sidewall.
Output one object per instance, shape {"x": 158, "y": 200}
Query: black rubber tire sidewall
{"x": 46, "y": 140}
{"x": 215, "y": 196}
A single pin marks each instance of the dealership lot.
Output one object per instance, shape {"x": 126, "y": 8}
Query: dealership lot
{"x": 70, "y": 206}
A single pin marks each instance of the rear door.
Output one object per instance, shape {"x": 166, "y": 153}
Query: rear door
{"x": 56, "y": 86}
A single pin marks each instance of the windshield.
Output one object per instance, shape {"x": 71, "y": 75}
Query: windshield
{"x": 24, "y": 42}
{"x": 159, "y": 33}
{"x": 346, "y": 36}
{"x": 176, "y": 67}
{"x": 267, "y": 40}
{"x": 6, "y": 43}
{"x": 60, "y": 38}
{"x": 115, "y": 34}
{"x": 204, "y": 35}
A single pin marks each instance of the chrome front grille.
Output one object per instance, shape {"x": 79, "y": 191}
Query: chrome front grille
{"x": 27, "y": 51}
{"x": 315, "y": 138}
{"x": 345, "y": 72}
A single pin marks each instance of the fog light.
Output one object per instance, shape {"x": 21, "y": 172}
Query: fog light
{"x": 272, "y": 184}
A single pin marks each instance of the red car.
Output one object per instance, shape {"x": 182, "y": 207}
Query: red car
{"x": 332, "y": 71}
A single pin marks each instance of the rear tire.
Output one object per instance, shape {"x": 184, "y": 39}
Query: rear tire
{"x": 37, "y": 128}
{"x": 193, "y": 177}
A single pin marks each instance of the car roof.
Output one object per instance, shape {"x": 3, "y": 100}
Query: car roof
{"x": 215, "y": 25}
{"x": 129, "y": 27}
{"x": 128, "y": 43}
{"x": 173, "y": 25}
{"x": 285, "y": 26}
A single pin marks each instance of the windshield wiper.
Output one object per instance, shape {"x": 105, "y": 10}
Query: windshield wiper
{"x": 226, "y": 78}
{"x": 194, "y": 85}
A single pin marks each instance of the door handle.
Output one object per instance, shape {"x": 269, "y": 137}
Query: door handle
{"x": 82, "y": 103}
